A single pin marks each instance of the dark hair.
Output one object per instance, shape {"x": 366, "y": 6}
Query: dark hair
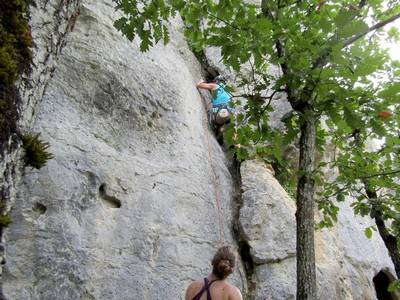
{"x": 220, "y": 78}
{"x": 223, "y": 262}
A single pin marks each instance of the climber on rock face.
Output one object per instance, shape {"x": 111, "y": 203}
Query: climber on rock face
{"x": 220, "y": 97}
{"x": 214, "y": 286}
{"x": 221, "y": 109}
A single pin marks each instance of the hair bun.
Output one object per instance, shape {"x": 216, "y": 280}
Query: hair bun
{"x": 224, "y": 268}
{"x": 223, "y": 262}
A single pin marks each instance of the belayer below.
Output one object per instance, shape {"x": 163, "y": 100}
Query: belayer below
{"x": 215, "y": 286}
{"x": 221, "y": 110}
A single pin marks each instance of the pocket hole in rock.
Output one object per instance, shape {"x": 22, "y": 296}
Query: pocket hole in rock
{"x": 110, "y": 201}
{"x": 39, "y": 208}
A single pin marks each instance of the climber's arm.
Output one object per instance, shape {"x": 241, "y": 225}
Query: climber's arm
{"x": 205, "y": 85}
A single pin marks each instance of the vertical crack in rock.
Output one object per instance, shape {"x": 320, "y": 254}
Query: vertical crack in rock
{"x": 244, "y": 247}
{"x": 267, "y": 224}
{"x": 208, "y": 71}
{"x": 247, "y": 259}
{"x": 53, "y": 34}
{"x": 31, "y": 90}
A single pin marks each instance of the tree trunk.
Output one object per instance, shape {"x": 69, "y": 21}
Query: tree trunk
{"x": 306, "y": 279}
{"x": 389, "y": 239}
{"x": 390, "y": 243}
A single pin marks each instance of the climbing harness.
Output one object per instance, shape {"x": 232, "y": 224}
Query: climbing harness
{"x": 220, "y": 114}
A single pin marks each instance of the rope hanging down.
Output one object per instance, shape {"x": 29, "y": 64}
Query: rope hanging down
{"x": 214, "y": 179}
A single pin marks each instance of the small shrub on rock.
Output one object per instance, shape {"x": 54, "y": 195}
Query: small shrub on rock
{"x": 36, "y": 151}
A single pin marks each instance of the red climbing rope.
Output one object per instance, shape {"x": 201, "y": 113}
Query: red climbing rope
{"x": 215, "y": 180}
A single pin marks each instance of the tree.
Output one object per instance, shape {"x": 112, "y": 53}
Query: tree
{"x": 370, "y": 177}
{"x": 329, "y": 70}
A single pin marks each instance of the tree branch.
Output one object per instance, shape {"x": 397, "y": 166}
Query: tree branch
{"x": 372, "y": 28}
{"x": 258, "y": 96}
{"x": 323, "y": 58}
{"x": 380, "y": 174}
{"x": 279, "y": 50}
{"x": 269, "y": 101}
{"x": 224, "y": 21}
{"x": 265, "y": 10}
{"x": 342, "y": 189}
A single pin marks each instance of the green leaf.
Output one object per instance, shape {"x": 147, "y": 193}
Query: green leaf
{"x": 340, "y": 197}
{"x": 353, "y": 28}
{"x": 352, "y": 119}
{"x": 120, "y": 23}
{"x": 377, "y": 127}
{"x": 343, "y": 17}
{"x": 393, "y": 34}
{"x": 368, "y": 232}
{"x": 394, "y": 286}
{"x": 391, "y": 91}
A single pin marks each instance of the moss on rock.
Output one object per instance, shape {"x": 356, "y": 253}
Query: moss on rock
{"x": 15, "y": 59}
{"x": 5, "y": 219}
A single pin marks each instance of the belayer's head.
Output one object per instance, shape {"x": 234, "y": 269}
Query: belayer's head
{"x": 223, "y": 262}
{"x": 220, "y": 79}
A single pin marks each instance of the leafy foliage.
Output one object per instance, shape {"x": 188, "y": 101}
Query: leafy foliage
{"x": 362, "y": 169}
{"x": 36, "y": 151}
{"x": 146, "y": 20}
{"x": 15, "y": 59}
{"x": 394, "y": 286}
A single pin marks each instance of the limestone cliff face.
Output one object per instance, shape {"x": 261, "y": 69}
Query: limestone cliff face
{"x": 127, "y": 209}
{"x": 346, "y": 260}
{"x": 139, "y": 194}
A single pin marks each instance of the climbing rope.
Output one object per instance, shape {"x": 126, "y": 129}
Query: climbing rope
{"x": 214, "y": 179}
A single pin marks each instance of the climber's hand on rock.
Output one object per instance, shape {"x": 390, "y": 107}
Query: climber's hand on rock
{"x": 200, "y": 82}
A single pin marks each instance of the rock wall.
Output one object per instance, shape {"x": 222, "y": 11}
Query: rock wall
{"x": 346, "y": 259}
{"x": 51, "y": 23}
{"x": 128, "y": 207}
{"x": 139, "y": 194}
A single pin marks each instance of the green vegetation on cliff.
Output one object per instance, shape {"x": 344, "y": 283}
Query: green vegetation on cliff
{"x": 15, "y": 59}
{"x": 36, "y": 154}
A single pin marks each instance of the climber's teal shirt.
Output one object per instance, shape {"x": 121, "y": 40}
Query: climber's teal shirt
{"x": 220, "y": 96}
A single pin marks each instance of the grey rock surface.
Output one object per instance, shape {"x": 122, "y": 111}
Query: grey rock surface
{"x": 267, "y": 215}
{"x": 51, "y": 21}
{"x": 347, "y": 260}
{"x": 127, "y": 209}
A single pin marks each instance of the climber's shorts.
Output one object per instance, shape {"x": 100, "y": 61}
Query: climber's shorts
{"x": 220, "y": 114}
{"x": 217, "y": 108}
